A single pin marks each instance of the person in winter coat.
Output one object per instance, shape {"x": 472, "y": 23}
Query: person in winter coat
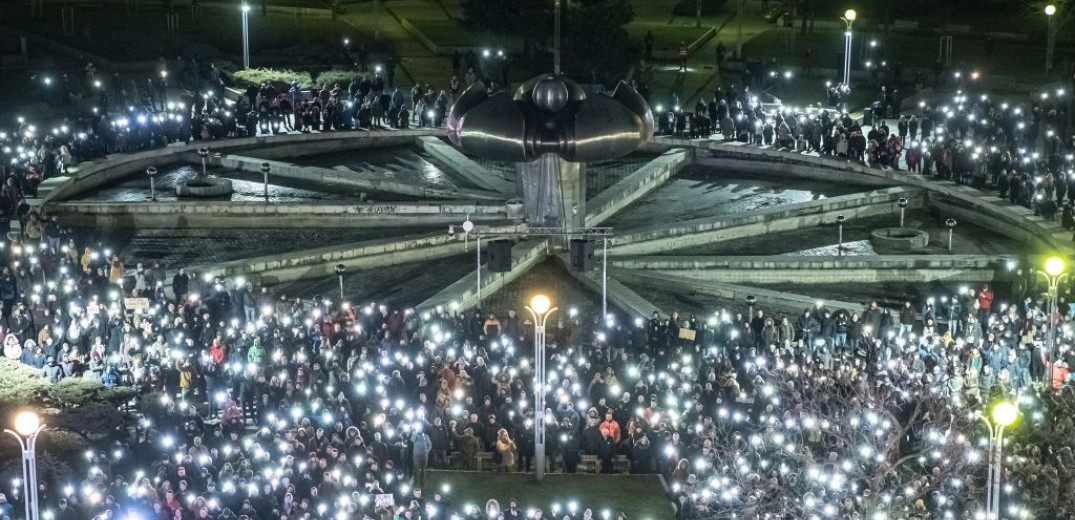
{"x": 571, "y": 451}
{"x": 507, "y": 450}
{"x": 421, "y": 446}
{"x": 469, "y": 446}
{"x": 52, "y": 370}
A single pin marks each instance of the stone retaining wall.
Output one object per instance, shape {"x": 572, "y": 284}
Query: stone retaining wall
{"x": 253, "y": 215}
{"x": 94, "y": 174}
{"x": 782, "y": 218}
{"x": 636, "y": 185}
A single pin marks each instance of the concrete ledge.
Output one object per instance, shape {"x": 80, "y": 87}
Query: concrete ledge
{"x": 1012, "y": 221}
{"x": 782, "y": 218}
{"x": 768, "y": 299}
{"x": 619, "y": 295}
{"x": 321, "y": 262}
{"x": 464, "y": 291}
{"x": 825, "y": 269}
{"x": 810, "y": 262}
{"x": 894, "y": 239}
{"x": 94, "y": 174}
{"x": 636, "y": 185}
{"x": 254, "y": 215}
{"x": 465, "y": 167}
{"x": 348, "y": 179}
{"x": 206, "y": 187}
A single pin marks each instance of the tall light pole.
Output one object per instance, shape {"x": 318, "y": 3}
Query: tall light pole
{"x": 540, "y": 308}
{"x": 849, "y": 18}
{"x": 739, "y": 31}
{"x": 27, "y": 427}
{"x": 246, "y": 35}
{"x": 697, "y": 13}
{"x": 1050, "y": 37}
{"x": 1004, "y": 415}
{"x": 556, "y": 38}
{"x": 1053, "y": 274}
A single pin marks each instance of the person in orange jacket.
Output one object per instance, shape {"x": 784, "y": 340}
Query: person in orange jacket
{"x": 612, "y": 426}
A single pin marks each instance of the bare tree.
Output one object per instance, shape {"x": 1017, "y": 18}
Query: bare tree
{"x": 835, "y": 443}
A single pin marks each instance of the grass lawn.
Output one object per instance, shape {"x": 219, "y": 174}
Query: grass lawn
{"x": 666, "y": 36}
{"x": 913, "y": 50}
{"x": 110, "y": 32}
{"x": 640, "y": 496}
{"x": 448, "y": 33}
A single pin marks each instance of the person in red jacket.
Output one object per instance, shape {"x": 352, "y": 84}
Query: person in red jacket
{"x": 613, "y": 428}
{"x": 1057, "y": 371}
{"x": 217, "y": 351}
{"x": 985, "y": 303}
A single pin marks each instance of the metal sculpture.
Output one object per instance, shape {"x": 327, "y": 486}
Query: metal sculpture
{"x": 547, "y": 127}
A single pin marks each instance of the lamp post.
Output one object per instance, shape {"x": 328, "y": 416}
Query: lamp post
{"x": 840, "y": 234}
{"x": 1054, "y": 274}
{"x": 951, "y": 224}
{"x": 751, "y": 302}
{"x": 152, "y": 173}
{"x": 540, "y": 308}
{"x": 246, "y": 35}
{"x": 27, "y": 427}
{"x": 1050, "y": 37}
{"x": 265, "y": 167}
{"x": 203, "y": 152}
{"x": 902, "y": 203}
{"x": 849, "y": 18}
{"x": 1004, "y": 415}
{"x": 340, "y": 269}
{"x": 556, "y": 38}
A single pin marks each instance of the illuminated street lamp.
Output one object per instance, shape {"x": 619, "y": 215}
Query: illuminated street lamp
{"x": 1054, "y": 274}
{"x": 540, "y": 308}
{"x": 1004, "y": 414}
{"x": 1050, "y": 10}
{"x": 246, "y": 35}
{"x": 849, "y": 18}
{"x": 27, "y": 426}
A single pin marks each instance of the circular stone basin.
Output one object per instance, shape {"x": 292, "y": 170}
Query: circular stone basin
{"x": 897, "y": 239}
{"x": 204, "y": 187}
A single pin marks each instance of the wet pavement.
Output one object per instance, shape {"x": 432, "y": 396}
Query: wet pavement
{"x": 397, "y": 163}
{"x": 700, "y": 192}
{"x": 967, "y": 239}
{"x": 247, "y": 186}
{"x": 180, "y": 247}
{"x": 404, "y": 285}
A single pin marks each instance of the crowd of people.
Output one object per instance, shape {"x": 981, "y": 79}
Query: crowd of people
{"x": 186, "y": 101}
{"x": 254, "y": 405}
{"x": 1015, "y": 149}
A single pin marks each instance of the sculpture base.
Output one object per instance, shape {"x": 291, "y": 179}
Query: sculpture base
{"x": 553, "y": 192}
